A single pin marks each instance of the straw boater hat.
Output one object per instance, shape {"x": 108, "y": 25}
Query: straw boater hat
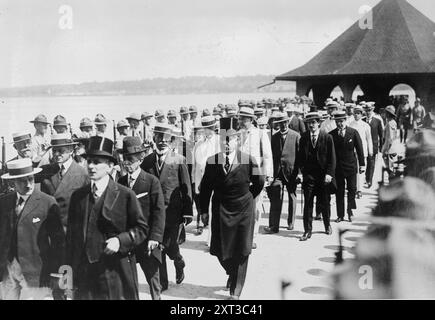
{"x": 332, "y": 104}
{"x": 62, "y": 140}
{"x": 100, "y": 119}
{"x": 20, "y": 168}
{"x": 208, "y": 122}
{"x": 358, "y": 109}
{"x": 339, "y": 115}
{"x": 391, "y": 110}
{"x": 21, "y": 136}
{"x": 163, "y": 128}
{"x": 370, "y": 106}
{"x": 312, "y": 116}
{"x": 133, "y": 145}
{"x": 232, "y": 110}
{"x": 246, "y": 112}
{"x": 40, "y": 118}
{"x": 350, "y": 105}
{"x": 146, "y": 115}
{"x": 262, "y": 121}
{"x": 59, "y": 120}
{"x": 86, "y": 123}
{"x": 100, "y": 147}
{"x": 258, "y": 111}
{"x": 217, "y": 111}
{"x": 134, "y": 116}
{"x": 280, "y": 117}
{"x": 122, "y": 124}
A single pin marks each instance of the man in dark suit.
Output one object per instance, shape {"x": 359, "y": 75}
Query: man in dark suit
{"x": 285, "y": 145}
{"x": 172, "y": 171}
{"x": 317, "y": 162}
{"x": 149, "y": 193}
{"x": 295, "y": 123}
{"x": 377, "y": 131}
{"x": 105, "y": 226}
{"x": 347, "y": 142}
{"x": 235, "y": 180}
{"x": 32, "y": 241}
{"x": 63, "y": 177}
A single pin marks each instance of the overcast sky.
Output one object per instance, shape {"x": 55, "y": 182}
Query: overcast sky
{"x": 137, "y": 39}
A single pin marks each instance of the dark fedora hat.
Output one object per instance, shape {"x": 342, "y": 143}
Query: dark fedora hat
{"x": 132, "y": 145}
{"x": 100, "y": 147}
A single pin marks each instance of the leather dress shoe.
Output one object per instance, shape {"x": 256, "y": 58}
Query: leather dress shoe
{"x": 229, "y": 282}
{"x": 328, "y": 231}
{"x": 179, "y": 272}
{"x": 319, "y": 217}
{"x": 270, "y": 230}
{"x": 339, "y": 220}
{"x": 164, "y": 287}
{"x": 350, "y": 214}
{"x": 290, "y": 227}
{"x": 234, "y": 297}
{"x": 306, "y": 236}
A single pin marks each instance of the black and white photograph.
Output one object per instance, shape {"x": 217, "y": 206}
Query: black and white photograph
{"x": 191, "y": 150}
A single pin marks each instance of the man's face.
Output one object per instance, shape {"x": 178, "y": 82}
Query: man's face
{"x": 41, "y": 128}
{"x": 199, "y": 135}
{"x": 229, "y": 143}
{"x": 62, "y": 154}
{"x": 98, "y": 167}
{"x": 208, "y": 132}
{"x": 101, "y": 127}
{"x": 24, "y": 148}
{"x": 332, "y": 110}
{"x": 172, "y": 120}
{"x": 185, "y": 117}
{"x": 123, "y": 131}
{"x": 245, "y": 122}
{"x": 24, "y": 186}
{"x": 160, "y": 119}
{"x": 193, "y": 115}
{"x": 340, "y": 123}
{"x": 132, "y": 162}
{"x": 313, "y": 125}
{"x": 369, "y": 113}
{"x": 263, "y": 126}
{"x": 133, "y": 123}
{"x": 147, "y": 121}
{"x": 358, "y": 115}
{"x": 86, "y": 129}
{"x": 283, "y": 126}
{"x": 60, "y": 129}
{"x": 163, "y": 141}
{"x": 349, "y": 111}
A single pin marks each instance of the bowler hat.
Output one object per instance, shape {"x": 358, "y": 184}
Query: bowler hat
{"x": 100, "y": 147}
{"x": 62, "y": 140}
{"x": 132, "y": 145}
{"x": 40, "y": 118}
{"x": 59, "y": 120}
{"x": 20, "y": 168}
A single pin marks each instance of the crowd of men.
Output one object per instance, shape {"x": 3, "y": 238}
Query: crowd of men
{"x": 100, "y": 205}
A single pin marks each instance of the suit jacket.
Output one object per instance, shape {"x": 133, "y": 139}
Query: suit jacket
{"x": 75, "y": 178}
{"x": 41, "y": 239}
{"x": 233, "y": 206}
{"x": 325, "y": 152}
{"x": 345, "y": 151}
{"x": 297, "y": 124}
{"x": 150, "y": 195}
{"x": 284, "y": 157}
{"x": 377, "y": 132}
{"x": 122, "y": 209}
{"x": 176, "y": 186}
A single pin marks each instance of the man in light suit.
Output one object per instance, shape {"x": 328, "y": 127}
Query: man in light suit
{"x": 295, "y": 123}
{"x": 63, "y": 177}
{"x": 149, "y": 193}
{"x": 285, "y": 146}
{"x": 172, "y": 171}
{"x": 377, "y": 132}
{"x": 32, "y": 241}
{"x": 105, "y": 226}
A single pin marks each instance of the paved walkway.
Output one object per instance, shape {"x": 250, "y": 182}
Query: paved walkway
{"x": 279, "y": 258}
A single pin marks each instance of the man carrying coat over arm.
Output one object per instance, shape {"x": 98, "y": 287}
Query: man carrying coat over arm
{"x": 234, "y": 179}
{"x": 105, "y": 225}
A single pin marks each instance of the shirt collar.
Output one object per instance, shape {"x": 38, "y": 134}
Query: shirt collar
{"x": 135, "y": 174}
{"x": 25, "y": 197}
{"x": 67, "y": 164}
{"x": 316, "y": 133}
{"x": 101, "y": 184}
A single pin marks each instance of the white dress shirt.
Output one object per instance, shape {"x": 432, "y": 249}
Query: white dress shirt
{"x": 101, "y": 185}
{"x": 133, "y": 177}
{"x": 66, "y": 165}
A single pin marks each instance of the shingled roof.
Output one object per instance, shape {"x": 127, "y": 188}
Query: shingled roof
{"x": 402, "y": 41}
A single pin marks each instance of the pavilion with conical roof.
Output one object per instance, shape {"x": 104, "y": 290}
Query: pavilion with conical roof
{"x": 399, "y": 49}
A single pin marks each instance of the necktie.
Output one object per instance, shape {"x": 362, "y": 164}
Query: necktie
{"x": 61, "y": 171}
{"x": 341, "y": 133}
{"x": 94, "y": 191}
{"x": 160, "y": 160}
{"x": 131, "y": 182}
{"x": 19, "y": 207}
{"x": 313, "y": 140}
{"x": 227, "y": 163}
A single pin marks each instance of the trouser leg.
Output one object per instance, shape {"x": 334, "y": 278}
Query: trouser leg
{"x": 258, "y": 208}
{"x": 240, "y": 269}
{"x": 339, "y": 197}
{"x": 150, "y": 267}
{"x": 309, "y": 186}
{"x": 291, "y": 191}
{"x": 163, "y": 272}
{"x": 325, "y": 197}
{"x": 371, "y": 161}
{"x": 351, "y": 191}
{"x": 274, "y": 193}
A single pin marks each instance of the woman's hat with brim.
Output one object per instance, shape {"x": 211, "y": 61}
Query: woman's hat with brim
{"x": 100, "y": 147}
{"x": 40, "y": 118}
{"x": 20, "y": 168}
{"x": 62, "y": 140}
{"x": 312, "y": 116}
{"x": 280, "y": 117}
{"x": 391, "y": 110}
{"x": 247, "y": 112}
{"x": 133, "y": 145}
{"x": 229, "y": 126}
{"x": 208, "y": 122}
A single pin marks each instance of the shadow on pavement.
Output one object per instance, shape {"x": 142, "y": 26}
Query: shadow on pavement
{"x": 188, "y": 291}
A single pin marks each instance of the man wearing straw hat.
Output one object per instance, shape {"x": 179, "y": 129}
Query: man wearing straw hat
{"x": 149, "y": 193}
{"x": 256, "y": 143}
{"x": 317, "y": 163}
{"x": 172, "y": 171}
{"x": 22, "y": 142}
{"x": 40, "y": 140}
{"x": 328, "y": 125}
{"x": 64, "y": 176}
{"x": 101, "y": 125}
{"x": 32, "y": 239}
{"x": 147, "y": 127}
{"x": 86, "y": 127}
{"x": 233, "y": 178}
{"x": 285, "y": 146}
{"x": 193, "y": 111}
{"x": 295, "y": 123}
{"x": 134, "y": 120}
{"x": 105, "y": 225}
